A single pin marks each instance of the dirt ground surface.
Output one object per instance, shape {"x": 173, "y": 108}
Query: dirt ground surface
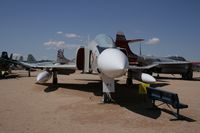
{"x": 74, "y": 106}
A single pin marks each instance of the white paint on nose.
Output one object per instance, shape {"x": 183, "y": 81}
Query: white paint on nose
{"x": 112, "y": 62}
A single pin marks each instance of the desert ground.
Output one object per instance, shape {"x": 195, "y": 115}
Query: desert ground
{"x": 74, "y": 106}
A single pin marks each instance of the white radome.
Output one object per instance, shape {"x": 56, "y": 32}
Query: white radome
{"x": 112, "y": 62}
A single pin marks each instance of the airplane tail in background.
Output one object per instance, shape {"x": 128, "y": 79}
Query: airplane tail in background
{"x": 123, "y": 43}
{"x": 11, "y": 56}
{"x": 31, "y": 59}
{"x": 4, "y": 55}
{"x": 61, "y": 58}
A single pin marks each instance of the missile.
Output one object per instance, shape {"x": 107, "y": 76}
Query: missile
{"x": 112, "y": 62}
{"x": 43, "y": 77}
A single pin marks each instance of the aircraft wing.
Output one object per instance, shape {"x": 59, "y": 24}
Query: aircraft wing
{"x": 8, "y": 60}
{"x": 50, "y": 66}
{"x": 134, "y": 67}
{"x": 172, "y": 63}
{"x": 60, "y": 66}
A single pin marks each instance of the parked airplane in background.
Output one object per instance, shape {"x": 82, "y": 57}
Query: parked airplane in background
{"x": 5, "y": 63}
{"x": 34, "y": 64}
{"x": 101, "y": 56}
{"x": 195, "y": 65}
{"x": 168, "y": 65}
{"x": 31, "y": 59}
{"x": 60, "y": 59}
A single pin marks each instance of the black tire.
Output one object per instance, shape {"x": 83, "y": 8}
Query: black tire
{"x": 188, "y": 75}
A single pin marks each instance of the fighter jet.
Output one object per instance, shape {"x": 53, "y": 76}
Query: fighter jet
{"x": 5, "y": 63}
{"x": 60, "y": 60}
{"x": 168, "y": 65}
{"x": 195, "y": 65}
{"x": 103, "y": 57}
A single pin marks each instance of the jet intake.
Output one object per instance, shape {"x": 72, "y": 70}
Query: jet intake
{"x": 112, "y": 62}
{"x": 43, "y": 77}
{"x": 83, "y": 60}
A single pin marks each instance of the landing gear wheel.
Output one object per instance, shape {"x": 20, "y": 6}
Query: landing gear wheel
{"x": 129, "y": 82}
{"x": 29, "y": 73}
{"x": 107, "y": 98}
{"x": 55, "y": 79}
{"x": 188, "y": 75}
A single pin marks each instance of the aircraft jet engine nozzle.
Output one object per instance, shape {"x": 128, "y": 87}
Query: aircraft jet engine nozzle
{"x": 112, "y": 62}
{"x": 43, "y": 77}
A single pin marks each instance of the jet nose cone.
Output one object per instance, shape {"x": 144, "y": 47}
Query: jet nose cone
{"x": 112, "y": 62}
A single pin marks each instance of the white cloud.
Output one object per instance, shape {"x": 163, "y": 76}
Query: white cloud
{"x": 59, "y": 32}
{"x": 71, "y": 35}
{"x": 68, "y": 35}
{"x": 55, "y": 44}
{"x": 153, "y": 40}
{"x": 59, "y": 44}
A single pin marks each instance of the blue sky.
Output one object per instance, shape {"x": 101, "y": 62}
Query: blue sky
{"x": 41, "y": 26}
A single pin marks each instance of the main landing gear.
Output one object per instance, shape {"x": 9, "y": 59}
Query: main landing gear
{"x": 108, "y": 89}
{"x": 55, "y": 78}
{"x": 107, "y": 98}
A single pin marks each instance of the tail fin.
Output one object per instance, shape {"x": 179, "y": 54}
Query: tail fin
{"x": 120, "y": 37}
{"x": 31, "y": 59}
{"x": 11, "y": 56}
{"x": 4, "y": 55}
{"x": 123, "y": 43}
{"x": 61, "y": 58}
{"x": 21, "y": 58}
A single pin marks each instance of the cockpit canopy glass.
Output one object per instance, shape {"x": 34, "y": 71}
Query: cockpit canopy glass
{"x": 104, "y": 41}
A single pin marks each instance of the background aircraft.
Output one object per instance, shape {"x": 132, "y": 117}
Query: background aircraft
{"x": 168, "y": 65}
{"x": 34, "y": 64}
{"x": 195, "y": 65}
{"x": 5, "y": 63}
{"x": 60, "y": 59}
{"x": 103, "y": 57}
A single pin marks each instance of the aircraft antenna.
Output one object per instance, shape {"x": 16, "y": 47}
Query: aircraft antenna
{"x": 88, "y": 38}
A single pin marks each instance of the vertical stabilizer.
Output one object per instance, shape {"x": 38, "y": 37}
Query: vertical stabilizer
{"x": 4, "y": 55}
{"x": 120, "y": 37}
{"x": 61, "y": 58}
{"x": 123, "y": 43}
{"x": 31, "y": 59}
